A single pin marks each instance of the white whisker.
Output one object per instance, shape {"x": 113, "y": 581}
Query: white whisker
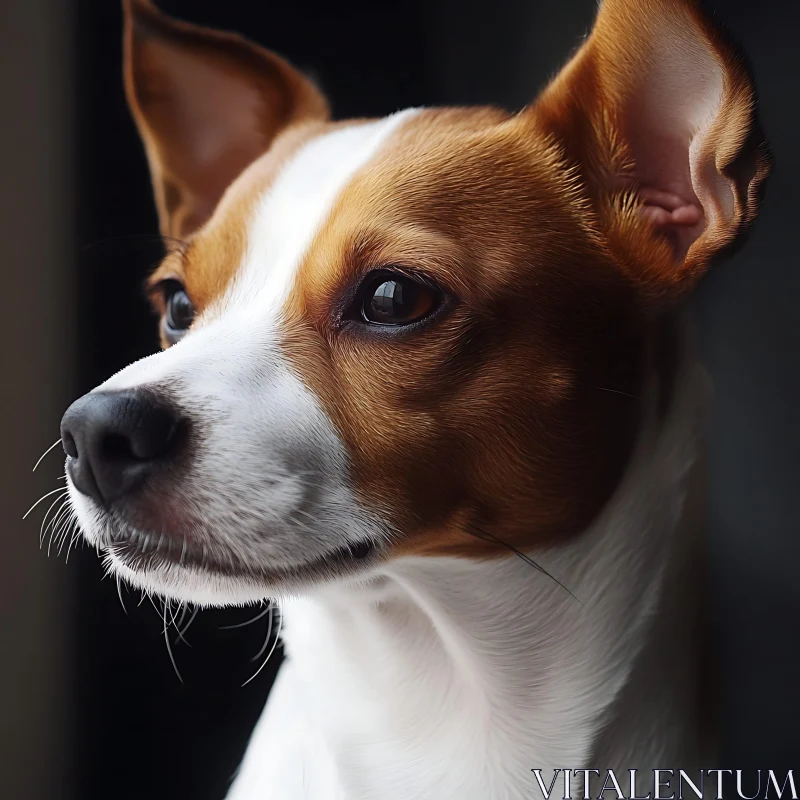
{"x": 272, "y": 650}
{"x": 53, "y": 525}
{"x": 249, "y": 622}
{"x": 54, "y": 519}
{"x": 42, "y": 529}
{"x": 153, "y": 603}
{"x": 269, "y": 633}
{"x": 65, "y": 521}
{"x": 60, "y": 489}
{"x": 119, "y": 594}
{"x": 184, "y": 608}
{"x": 169, "y": 646}
{"x": 49, "y": 450}
{"x": 173, "y": 622}
{"x": 186, "y": 627}
{"x": 75, "y": 536}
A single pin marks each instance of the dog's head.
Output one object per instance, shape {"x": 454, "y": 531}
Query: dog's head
{"x": 421, "y": 334}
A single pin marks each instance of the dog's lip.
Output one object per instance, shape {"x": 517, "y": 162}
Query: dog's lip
{"x": 141, "y": 551}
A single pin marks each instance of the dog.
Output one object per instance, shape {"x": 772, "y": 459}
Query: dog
{"x": 427, "y": 381}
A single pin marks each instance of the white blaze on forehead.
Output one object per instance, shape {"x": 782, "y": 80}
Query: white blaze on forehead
{"x": 238, "y": 330}
{"x": 268, "y": 480}
{"x": 294, "y": 208}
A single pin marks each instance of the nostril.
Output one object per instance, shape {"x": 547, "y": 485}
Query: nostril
{"x": 69, "y": 445}
{"x": 116, "y": 440}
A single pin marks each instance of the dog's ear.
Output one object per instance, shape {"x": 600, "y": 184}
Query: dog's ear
{"x": 656, "y": 112}
{"x": 207, "y": 104}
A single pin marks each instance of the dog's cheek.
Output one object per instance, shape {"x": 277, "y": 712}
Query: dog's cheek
{"x": 393, "y": 446}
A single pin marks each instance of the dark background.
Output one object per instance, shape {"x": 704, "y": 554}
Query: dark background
{"x": 103, "y": 704}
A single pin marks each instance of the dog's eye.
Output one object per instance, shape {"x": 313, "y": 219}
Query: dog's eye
{"x": 395, "y": 299}
{"x": 179, "y": 311}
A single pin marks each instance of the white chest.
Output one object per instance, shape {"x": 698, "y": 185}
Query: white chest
{"x": 447, "y": 679}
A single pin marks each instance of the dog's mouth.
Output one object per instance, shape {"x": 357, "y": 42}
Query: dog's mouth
{"x": 144, "y": 552}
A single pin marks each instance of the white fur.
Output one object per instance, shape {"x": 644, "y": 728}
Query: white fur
{"x": 448, "y": 679}
{"x": 434, "y": 678}
{"x": 268, "y": 481}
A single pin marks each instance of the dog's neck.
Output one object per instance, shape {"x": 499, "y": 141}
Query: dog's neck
{"x": 494, "y": 664}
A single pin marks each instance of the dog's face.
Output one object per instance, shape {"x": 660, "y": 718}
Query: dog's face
{"x": 423, "y": 334}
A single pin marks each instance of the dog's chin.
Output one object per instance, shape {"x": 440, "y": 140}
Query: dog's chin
{"x": 206, "y": 575}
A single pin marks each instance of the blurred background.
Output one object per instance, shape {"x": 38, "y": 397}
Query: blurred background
{"x": 90, "y": 706}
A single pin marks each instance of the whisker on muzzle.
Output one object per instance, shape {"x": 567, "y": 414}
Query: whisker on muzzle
{"x": 43, "y": 497}
{"x": 49, "y": 450}
{"x": 274, "y": 644}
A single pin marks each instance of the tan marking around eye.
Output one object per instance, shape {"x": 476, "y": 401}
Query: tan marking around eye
{"x": 209, "y": 259}
{"x": 489, "y": 421}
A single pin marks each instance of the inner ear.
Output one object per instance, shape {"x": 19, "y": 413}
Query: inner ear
{"x": 207, "y": 104}
{"x": 666, "y": 210}
{"x": 666, "y": 100}
{"x": 679, "y": 218}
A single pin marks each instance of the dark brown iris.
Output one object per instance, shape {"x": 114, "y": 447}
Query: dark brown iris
{"x": 397, "y": 300}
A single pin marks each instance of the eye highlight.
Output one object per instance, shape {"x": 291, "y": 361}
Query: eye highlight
{"x": 395, "y": 299}
{"x": 178, "y": 311}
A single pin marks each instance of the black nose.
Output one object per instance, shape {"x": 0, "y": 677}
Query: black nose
{"x": 114, "y": 440}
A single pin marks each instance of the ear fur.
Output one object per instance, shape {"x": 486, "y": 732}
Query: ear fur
{"x": 657, "y": 113}
{"x": 207, "y": 104}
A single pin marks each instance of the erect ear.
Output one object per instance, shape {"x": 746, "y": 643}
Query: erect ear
{"x": 207, "y": 104}
{"x": 657, "y": 113}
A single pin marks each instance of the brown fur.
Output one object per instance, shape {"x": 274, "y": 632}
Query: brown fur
{"x": 512, "y": 415}
{"x": 515, "y": 412}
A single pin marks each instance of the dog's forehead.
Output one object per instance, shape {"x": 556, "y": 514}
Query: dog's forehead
{"x": 360, "y": 175}
{"x": 250, "y": 250}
